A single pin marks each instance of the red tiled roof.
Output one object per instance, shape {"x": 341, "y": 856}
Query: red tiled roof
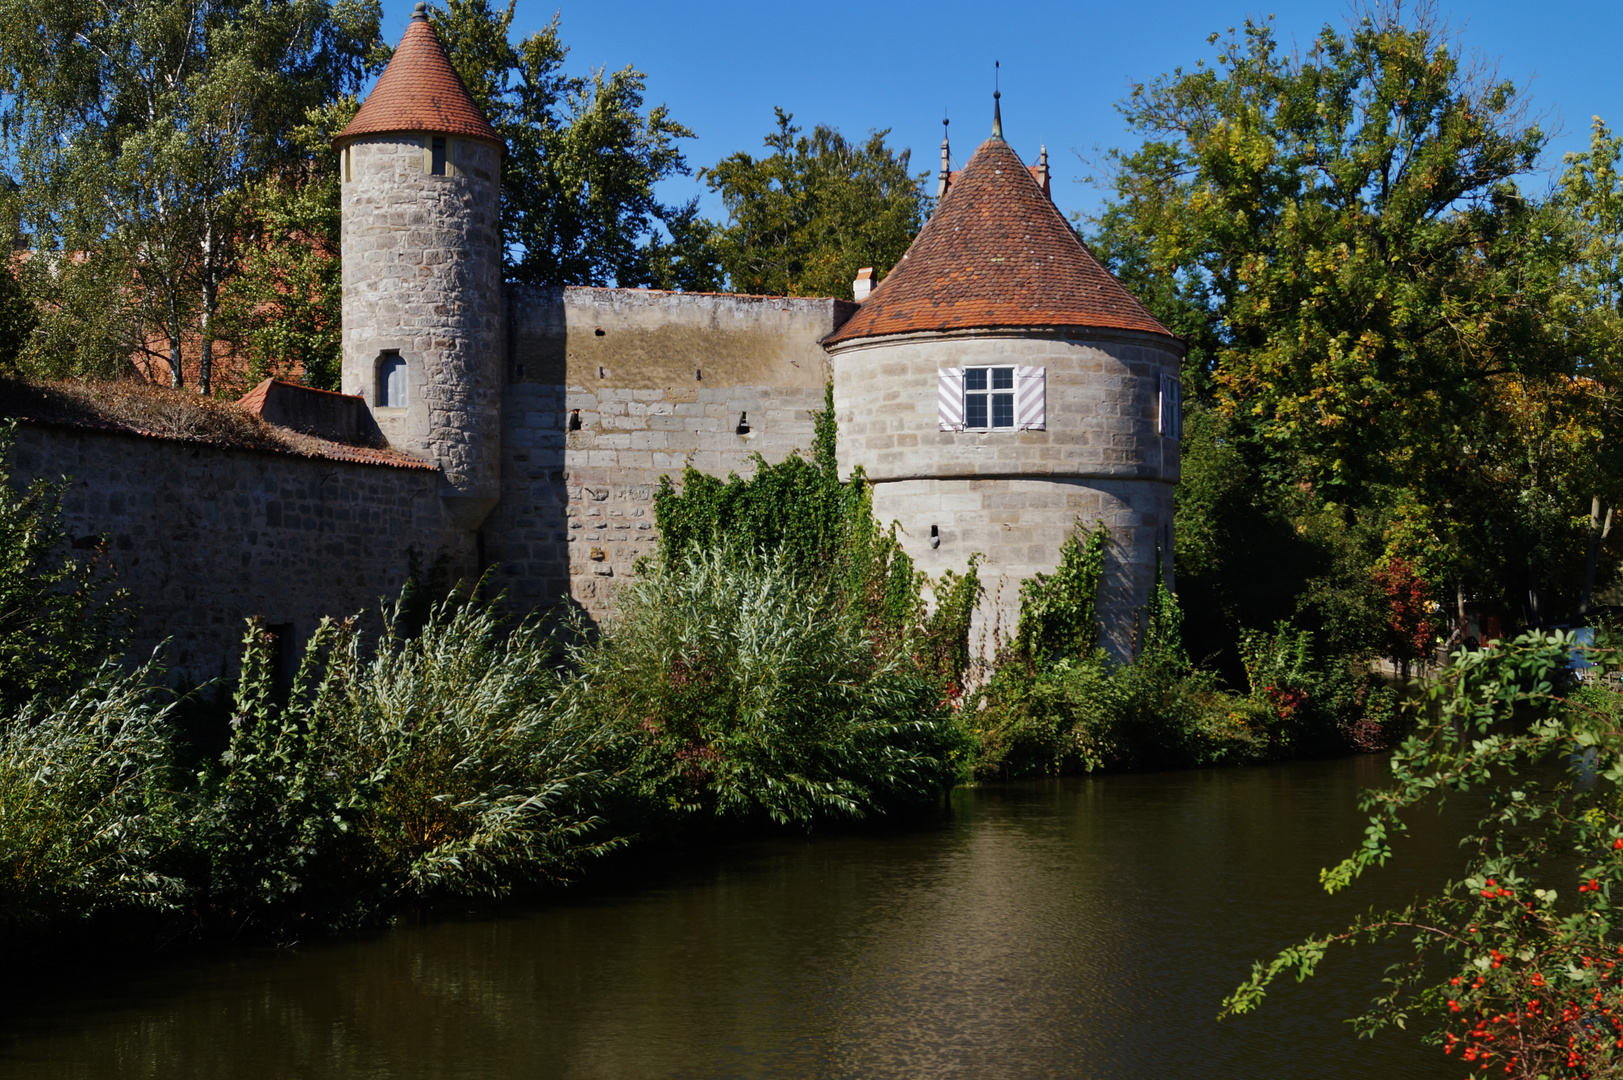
{"x": 420, "y": 91}
{"x": 996, "y": 253}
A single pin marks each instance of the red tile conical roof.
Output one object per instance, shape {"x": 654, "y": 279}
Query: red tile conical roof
{"x": 420, "y": 91}
{"x": 996, "y": 253}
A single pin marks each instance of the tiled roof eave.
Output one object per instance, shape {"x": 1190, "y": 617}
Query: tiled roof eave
{"x": 329, "y": 451}
{"x": 348, "y": 136}
{"x": 836, "y": 343}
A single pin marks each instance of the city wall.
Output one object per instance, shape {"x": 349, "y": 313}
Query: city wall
{"x": 610, "y": 389}
{"x": 204, "y": 537}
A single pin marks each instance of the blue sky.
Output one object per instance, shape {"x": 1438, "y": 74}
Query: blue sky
{"x": 721, "y": 67}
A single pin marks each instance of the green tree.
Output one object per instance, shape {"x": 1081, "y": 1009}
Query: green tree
{"x": 802, "y": 220}
{"x": 1376, "y": 311}
{"x": 136, "y": 128}
{"x": 284, "y": 306}
{"x": 583, "y": 152}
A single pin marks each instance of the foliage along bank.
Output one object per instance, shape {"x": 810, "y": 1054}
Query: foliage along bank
{"x": 1514, "y": 964}
{"x": 777, "y": 665}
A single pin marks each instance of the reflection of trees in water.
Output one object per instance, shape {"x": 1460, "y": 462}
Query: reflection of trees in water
{"x": 1075, "y": 928}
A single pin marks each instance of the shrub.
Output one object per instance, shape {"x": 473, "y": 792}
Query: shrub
{"x": 426, "y": 767}
{"x": 742, "y": 691}
{"x": 86, "y": 816}
{"x": 1518, "y": 974}
{"x": 824, "y": 532}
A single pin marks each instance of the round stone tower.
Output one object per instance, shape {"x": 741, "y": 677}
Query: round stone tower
{"x": 1000, "y": 385}
{"x": 422, "y": 269}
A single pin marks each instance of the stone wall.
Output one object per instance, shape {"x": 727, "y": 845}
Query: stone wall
{"x": 204, "y": 537}
{"x": 422, "y": 269}
{"x": 656, "y": 381}
{"x": 1019, "y": 525}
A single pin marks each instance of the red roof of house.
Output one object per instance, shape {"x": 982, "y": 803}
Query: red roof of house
{"x": 420, "y": 91}
{"x": 996, "y": 253}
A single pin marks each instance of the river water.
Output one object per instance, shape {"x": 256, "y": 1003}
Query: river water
{"x": 1071, "y": 929}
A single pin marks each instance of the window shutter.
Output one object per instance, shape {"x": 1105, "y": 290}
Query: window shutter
{"x": 1171, "y": 407}
{"x": 950, "y": 398}
{"x": 1031, "y": 398}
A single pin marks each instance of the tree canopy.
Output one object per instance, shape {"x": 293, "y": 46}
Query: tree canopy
{"x": 133, "y": 131}
{"x": 803, "y": 219}
{"x": 1382, "y": 314}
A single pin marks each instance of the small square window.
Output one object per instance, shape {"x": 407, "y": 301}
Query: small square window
{"x": 989, "y": 397}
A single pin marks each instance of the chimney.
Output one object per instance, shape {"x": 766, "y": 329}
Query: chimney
{"x": 863, "y": 285}
{"x": 946, "y": 164}
{"x": 1042, "y": 173}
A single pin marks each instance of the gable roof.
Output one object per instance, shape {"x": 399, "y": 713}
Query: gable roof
{"x": 996, "y": 253}
{"x": 420, "y": 91}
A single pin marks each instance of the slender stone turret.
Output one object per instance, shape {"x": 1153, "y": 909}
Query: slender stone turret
{"x": 422, "y": 278}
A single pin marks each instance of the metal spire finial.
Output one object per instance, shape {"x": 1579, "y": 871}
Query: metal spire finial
{"x": 946, "y": 162}
{"x": 997, "y": 108}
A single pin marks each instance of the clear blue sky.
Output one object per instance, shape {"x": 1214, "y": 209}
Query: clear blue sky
{"x": 722, "y": 66}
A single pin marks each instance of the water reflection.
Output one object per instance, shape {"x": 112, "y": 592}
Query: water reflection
{"x": 1081, "y": 928}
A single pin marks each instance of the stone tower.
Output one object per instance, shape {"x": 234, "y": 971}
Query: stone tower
{"x": 422, "y": 270}
{"x": 1001, "y": 384}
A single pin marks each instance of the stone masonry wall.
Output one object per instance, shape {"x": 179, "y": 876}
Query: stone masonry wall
{"x": 1014, "y": 496}
{"x": 1019, "y": 525}
{"x": 1103, "y": 396}
{"x": 422, "y": 269}
{"x": 660, "y": 381}
{"x": 204, "y": 537}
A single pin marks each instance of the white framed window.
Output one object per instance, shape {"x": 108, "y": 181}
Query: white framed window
{"x": 989, "y": 397}
{"x": 391, "y": 381}
{"x": 1171, "y": 407}
{"x": 992, "y": 398}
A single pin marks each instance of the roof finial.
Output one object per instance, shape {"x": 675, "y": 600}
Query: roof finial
{"x": 997, "y": 108}
{"x": 420, "y": 12}
{"x": 946, "y": 162}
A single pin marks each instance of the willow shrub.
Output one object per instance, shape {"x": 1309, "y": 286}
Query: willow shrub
{"x": 87, "y": 817}
{"x": 740, "y": 690}
{"x": 1516, "y": 963}
{"x": 402, "y": 771}
{"x": 798, "y": 512}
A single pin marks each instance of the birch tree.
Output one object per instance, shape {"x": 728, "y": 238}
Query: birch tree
{"x": 134, "y": 128}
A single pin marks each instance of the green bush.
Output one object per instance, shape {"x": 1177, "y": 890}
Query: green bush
{"x": 740, "y": 690}
{"x": 1056, "y": 703}
{"x": 407, "y": 771}
{"x": 824, "y": 532}
{"x": 86, "y": 815}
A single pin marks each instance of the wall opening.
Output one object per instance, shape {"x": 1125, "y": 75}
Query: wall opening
{"x": 436, "y": 163}
{"x": 391, "y": 381}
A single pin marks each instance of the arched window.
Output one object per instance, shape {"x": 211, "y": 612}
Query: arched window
{"x": 391, "y": 382}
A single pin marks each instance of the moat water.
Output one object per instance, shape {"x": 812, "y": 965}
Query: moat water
{"x": 1078, "y": 928}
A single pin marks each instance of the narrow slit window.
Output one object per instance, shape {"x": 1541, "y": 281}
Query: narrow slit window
{"x": 989, "y": 397}
{"x": 349, "y": 172}
{"x": 437, "y": 156}
{"x": 391, "y": 382}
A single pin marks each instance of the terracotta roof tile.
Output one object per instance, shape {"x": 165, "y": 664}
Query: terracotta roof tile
{"x": 996, "y": 253}
{"x": 420, "y": 91}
